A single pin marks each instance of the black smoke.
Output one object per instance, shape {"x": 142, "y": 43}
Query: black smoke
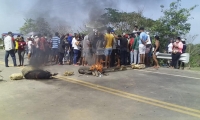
{"x": 78, "y": 12}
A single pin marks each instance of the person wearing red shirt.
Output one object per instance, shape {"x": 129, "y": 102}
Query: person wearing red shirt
{"x": 21, "y": 51}
{"x": 42, "y": 47}
{"x": 131, "y": 49}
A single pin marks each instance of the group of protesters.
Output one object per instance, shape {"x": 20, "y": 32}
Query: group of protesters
{"x": 108, "y": 49}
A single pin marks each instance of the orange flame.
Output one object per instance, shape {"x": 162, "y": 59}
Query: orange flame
{"x": 98, "y": 67}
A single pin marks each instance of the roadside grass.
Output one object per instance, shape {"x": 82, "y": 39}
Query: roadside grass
{"x": 1, "y": 42}
{"x": 195, "y": 68}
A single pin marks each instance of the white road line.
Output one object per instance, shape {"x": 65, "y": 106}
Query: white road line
{"x": 171, "y": 74}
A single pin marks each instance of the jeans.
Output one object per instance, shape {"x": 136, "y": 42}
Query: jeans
{"x": 131, "y": 57}
{"x": 61, "y": 56}
{"x": 12, "y": 54}
{"x": 123, "y": 56}
{"x": 136, "y": 57}
{"x": 76, "y": 52}
{"x": 71, "y": 55}
{"x": 108, "y": 51}
{"x": 175, "y": 58}
{"x": 21, "y": 56}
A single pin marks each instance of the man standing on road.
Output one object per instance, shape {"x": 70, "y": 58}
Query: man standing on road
{"x": 109, "y": 38}
{"x": 55, "y": 43}
{"x": 142, "y": 45}
{"x": 10, "y": 49}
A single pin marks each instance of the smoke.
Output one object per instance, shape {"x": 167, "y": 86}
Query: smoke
{"x": 73, "y": 13}
{"x": 76, "y": 13}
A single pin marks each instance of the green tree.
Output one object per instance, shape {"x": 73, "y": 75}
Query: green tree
{"x": 125, "y": 21}
{"x": 42, "y": 26}
{"x": 39, "y": 25}
{"x": 29, "y": 26}
{"x": 174, "y": 23}
{"x": 194, "y": 50}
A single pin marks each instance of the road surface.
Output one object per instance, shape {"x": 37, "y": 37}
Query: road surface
{"x": 163, "y": 94}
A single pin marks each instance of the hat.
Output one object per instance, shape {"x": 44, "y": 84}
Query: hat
{"x": 183, "y": 39}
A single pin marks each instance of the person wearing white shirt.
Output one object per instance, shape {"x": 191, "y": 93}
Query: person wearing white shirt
{"x": 30, "y": 48}
{"x": 9, "y": 48}
{"x": 170, "y": 46}
{"x": 75, "y": 44}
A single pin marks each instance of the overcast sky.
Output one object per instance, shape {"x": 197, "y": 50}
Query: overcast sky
{"x": 13, "y": 12}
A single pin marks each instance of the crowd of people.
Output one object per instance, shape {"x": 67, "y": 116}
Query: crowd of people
{"x": 108, "y": 49}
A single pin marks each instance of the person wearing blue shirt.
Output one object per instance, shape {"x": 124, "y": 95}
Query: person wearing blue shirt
{"x": 71, "y": 52}
{"x": 55, "y": 43}
{"x": 142, "y": 45}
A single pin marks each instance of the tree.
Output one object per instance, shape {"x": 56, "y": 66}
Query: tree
{"x": 29, "y": 26}
{"x": 61, "y": 28}
{"x": 174, "y": 23}
{"x": 124, "y": 21}
{"x": 39, "y": 25}
{"x": 194, "y": 51}
{"x": 42, "y": 26}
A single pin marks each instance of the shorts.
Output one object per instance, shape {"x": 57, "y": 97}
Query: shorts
{"x": 86, "y": 53}
{"x": 142, "y": 49}
{"x": 118, "y": 52}
{"x": 54, "y": 51}
{"x": 108, "y": 51}
{"x": 157, "y": 53}
{"x": 29, "y": 51}
{"x": 100, "y": 52}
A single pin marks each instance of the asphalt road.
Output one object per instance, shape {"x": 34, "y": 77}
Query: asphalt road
{"x": 163, "y": 94}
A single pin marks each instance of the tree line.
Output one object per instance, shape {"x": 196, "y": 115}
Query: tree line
{"x": 172, "y": 24}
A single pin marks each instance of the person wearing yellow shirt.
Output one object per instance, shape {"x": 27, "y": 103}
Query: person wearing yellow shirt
{"x": 16, "y": 43}
{"x": 109, "y": 39}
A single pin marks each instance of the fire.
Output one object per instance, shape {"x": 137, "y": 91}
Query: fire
{"x": 97, "y": 67}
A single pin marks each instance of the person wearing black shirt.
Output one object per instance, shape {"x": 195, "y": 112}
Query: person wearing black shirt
{"x": 123, "y": 50}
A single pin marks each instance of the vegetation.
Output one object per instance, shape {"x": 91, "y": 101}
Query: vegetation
{"x": 125, "y": 22}
{"x": 194, "y": 50}
{"x": 38, "y": 25}
{"x": 172, "y": 24}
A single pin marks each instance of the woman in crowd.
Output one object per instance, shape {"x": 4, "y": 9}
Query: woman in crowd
{"x": 182, "y": 64}
{"x": 176, "y": 52}
{"x": 156, "y": 52}
{"x": 21, "y": 51}
{"x": 75, "y": 45}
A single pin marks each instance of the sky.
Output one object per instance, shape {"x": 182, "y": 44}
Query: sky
{"x": 75, "y": 12}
